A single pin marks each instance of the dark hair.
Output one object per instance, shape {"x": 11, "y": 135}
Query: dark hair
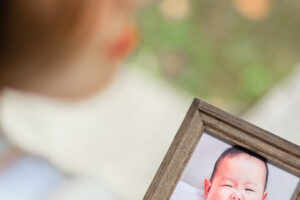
{"x": 28, "y": 25}
{"x": 236, "y": 150}
{"x": 37, "y": 33}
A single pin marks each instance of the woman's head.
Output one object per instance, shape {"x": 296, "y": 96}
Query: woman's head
{"x": 61, "y": 47}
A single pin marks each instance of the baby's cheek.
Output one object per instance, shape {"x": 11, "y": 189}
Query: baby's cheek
{"x": 220, "y": 193}
{"x": 252, "y": 196}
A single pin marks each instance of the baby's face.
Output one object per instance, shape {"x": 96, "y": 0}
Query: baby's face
{"x": 241, "y": 177}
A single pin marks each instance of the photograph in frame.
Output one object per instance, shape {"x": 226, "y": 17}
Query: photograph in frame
{"x": 208, "y": 143}
{"x": 243, "y": 175}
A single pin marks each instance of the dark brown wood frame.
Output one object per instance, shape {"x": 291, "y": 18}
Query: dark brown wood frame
{"x": 204, "y": 117}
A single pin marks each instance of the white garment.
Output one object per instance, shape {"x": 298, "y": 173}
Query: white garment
{"x": 184, "y": 191}
{"x": 82, "y": 189}
{"x": 29, "y": 178}
{"x": 119, "y": 136}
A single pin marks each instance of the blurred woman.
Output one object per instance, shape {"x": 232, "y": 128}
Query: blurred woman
{"x": 67, "y": 49}
{"x": 63, "y": 48}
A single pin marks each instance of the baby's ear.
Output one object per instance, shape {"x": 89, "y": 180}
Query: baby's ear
{"x": 264, "y": 196}
{"x": 207, "y": 186}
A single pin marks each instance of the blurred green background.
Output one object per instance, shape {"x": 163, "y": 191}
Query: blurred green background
{"x": 217, "y": 52}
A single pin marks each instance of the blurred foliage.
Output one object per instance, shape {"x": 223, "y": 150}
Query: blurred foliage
{"x": 218, "y": 55}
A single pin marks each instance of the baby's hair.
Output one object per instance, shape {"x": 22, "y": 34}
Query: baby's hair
{"x": 236, "y": 150}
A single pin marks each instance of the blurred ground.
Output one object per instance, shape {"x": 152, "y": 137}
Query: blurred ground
{"x": 279, "y": 110}
{"x": 226, "y": 52}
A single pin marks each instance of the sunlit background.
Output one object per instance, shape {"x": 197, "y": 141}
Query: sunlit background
{"x": 241, "y": 56}
{"x": 228, "y": 52}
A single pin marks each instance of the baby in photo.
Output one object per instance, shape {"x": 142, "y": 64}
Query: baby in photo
{"x": 238, "y": 174}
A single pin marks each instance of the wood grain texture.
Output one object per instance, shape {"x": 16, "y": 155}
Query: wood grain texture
{"x": 177, "y": 156}
{"x": 251, "y": 129}
{"x": 204, "y": 117}
{"x": 242, "y": 138}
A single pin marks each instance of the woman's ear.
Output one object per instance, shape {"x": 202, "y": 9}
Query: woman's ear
{"x": 126, "y": 41}
{"x": 207, "y": 186}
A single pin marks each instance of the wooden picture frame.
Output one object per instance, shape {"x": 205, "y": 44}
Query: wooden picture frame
{"x": 204, "y": 117}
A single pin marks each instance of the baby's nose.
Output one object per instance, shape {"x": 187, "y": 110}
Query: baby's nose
{"x": 235, "y": 196}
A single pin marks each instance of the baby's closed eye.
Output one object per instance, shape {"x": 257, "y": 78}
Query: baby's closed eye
{"x": 227, "y": 185}
{"x": 249, "y": 190}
